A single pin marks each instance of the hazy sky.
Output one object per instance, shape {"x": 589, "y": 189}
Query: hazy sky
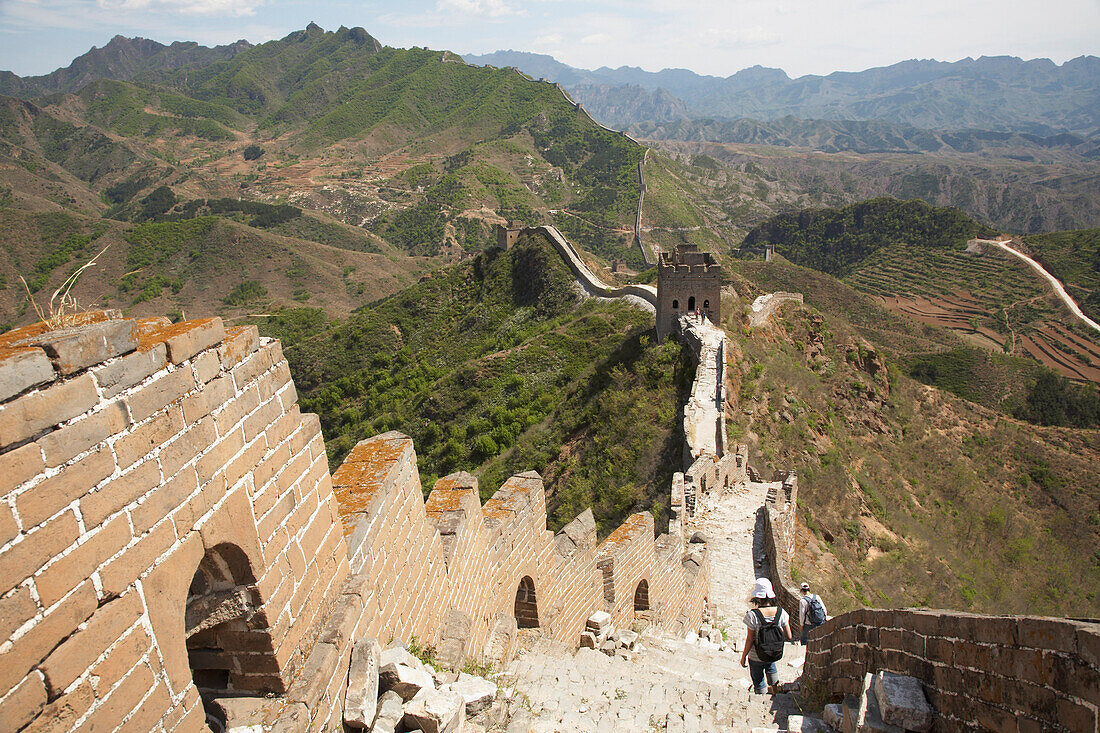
{"x": 708, "y": 36}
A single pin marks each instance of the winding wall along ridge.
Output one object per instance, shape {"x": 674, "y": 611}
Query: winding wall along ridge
{"x": 585, "y": 276}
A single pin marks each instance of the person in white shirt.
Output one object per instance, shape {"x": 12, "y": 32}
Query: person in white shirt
{"x": 765, "y": 612}
{"x": 806, "y": 618}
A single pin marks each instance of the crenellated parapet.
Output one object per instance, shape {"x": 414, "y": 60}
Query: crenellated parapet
{"x": 171, "y": 539}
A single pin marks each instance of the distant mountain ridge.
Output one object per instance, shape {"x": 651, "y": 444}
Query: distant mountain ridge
{"x": 122, "y": 59}
{"x": 863, "y": 136}
{"x": 1000, "y": 93}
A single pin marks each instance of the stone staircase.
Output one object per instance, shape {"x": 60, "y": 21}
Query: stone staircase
{"x": 664, "y": 684}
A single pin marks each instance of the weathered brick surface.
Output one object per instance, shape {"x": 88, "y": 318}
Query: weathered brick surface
{"x": 204, "y": 452}
{"x": 185, "y": 340}
{"x": 66, "y": 443}
{"x": 23, "y": 703}
{"x": 1005, "y": 672}
{"x": 24, "y": 558}
{"x": 77, "y": 348}
{"x": 121, "y": 374}
{"x": 21, "y": 369}
{"x": 20, "y": 465}
{"x": 106, "y": 626}
{"x": 50, "y": 496}
{"x": 164, "y": 390}
{"x": 33, "y": 646}
{"x": 29, "y": 415}
{"x": 67, "y": 572}
{"x": 118, "y": 493}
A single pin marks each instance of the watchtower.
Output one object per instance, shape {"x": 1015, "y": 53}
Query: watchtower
{"x": 687, "y": 281}
{"x": 507, "y": 235}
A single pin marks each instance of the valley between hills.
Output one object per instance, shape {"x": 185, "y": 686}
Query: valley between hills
{"x": 342, "y": 195}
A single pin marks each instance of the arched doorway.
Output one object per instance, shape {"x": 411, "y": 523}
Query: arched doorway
{"x": 229, "y": 646}
{"x": 641, "y": 596}
{"x": 527, "y": 610}
{"x": 691, "y": 303}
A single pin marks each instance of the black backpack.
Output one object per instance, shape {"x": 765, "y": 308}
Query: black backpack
{"x": 815, "y": 613}
{"x": 768, "y": 641}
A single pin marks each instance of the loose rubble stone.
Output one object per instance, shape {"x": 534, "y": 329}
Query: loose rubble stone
{"x": 803, "y": 724}
{"x": 404, "y": 680}
{"x": 588, "y": 640}
{"x": 902, "y": 702}
{"x": 626, "y": 638}
{"x": 478, "y": 693}
{"x": 698, "y": 537}
{"x": 861, "y": 714}
{"x": 443, "y": 677}
{"x": 244, "y": 714}
{"x": 608, "y": 647}
{"x": 599, "y": 623}
{"x": 361, "y": 702}
{"x": 389, "y": 715}
{"x": 398, "y": 655}
{"x": 435, "y": 711}
{"x": 834, "y": 715}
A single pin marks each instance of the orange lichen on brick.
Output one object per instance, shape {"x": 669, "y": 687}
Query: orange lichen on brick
{"x": 360, "y": 476}
{"x": 157, "y": 333}
{"x": 77, "y": 319}
{"x": 446, "y": 496}
{"x": 626, "y": 531}
{"x": 8, "y": 352}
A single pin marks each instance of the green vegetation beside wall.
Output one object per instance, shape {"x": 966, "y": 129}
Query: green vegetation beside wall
{"x": 836, "y": 241}
{"x": 494, "y": 363}
{"x": 920, "y": 497}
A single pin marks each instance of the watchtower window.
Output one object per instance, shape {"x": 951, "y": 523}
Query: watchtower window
{"x": 676, "y": 305}
{"x": 527, "y": 610}
{"x": 706, "y": 305}
{"x": 691, "y": 303}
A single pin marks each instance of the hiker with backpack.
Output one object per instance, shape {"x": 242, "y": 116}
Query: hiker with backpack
{"x": 811, "y": 612}
{"x": 768, "y": 629}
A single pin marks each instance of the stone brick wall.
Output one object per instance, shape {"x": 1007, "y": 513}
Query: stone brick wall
{"x": 170, "y": 534}
{"x": 1002, "y": 673}
{"x": 135, "y": 457}
{"x": 778, "y": 517}
{"x": 456, "y": 555}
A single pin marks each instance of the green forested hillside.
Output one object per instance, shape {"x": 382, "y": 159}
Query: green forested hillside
{"x": 836, "y": 241}
{"x": 499, "y": 366}
{"x": 321, "y": 137}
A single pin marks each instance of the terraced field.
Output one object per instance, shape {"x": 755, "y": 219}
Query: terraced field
{"x": 987, "y": 298}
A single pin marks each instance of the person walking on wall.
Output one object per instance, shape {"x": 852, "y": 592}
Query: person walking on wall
{"x": 768, "y": 627}
{"x": 811, "y": 611}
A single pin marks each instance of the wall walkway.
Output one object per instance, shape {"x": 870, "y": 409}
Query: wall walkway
{"x": 592, "y": 284}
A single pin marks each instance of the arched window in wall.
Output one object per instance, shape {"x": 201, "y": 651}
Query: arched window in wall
{"x": 675, "y": 305}
{"x": 527, "y": 610}
{"x": 229, "y": 645}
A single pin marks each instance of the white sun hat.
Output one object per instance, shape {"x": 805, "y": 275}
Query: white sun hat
{"x": 763, "y": 589}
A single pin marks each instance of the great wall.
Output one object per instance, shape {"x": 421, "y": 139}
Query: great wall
{"x": 174, "y": 549}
